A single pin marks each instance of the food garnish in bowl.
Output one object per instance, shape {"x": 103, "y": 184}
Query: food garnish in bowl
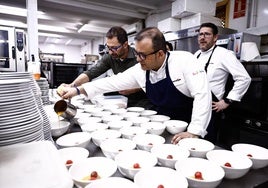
{"x": 198, "y": 175}
{"x": 93, "y": 176}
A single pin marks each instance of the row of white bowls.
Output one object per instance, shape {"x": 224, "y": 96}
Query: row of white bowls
{"x": 125, "y": 157}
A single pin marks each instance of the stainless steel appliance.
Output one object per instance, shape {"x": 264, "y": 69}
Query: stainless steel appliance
{"x": 12, "y": 50}
{"x": 187, "y": 39}
{"x": 248, "y": 122}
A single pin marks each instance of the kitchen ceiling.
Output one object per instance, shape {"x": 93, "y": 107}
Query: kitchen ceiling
{"x": 78, "y": 21}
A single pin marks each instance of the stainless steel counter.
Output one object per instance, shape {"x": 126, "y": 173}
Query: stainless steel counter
{"x": 253, "y": 179}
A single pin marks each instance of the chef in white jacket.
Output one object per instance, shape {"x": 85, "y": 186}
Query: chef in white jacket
{"x": 172, "y": 81}
{"x": 219, "y": 63}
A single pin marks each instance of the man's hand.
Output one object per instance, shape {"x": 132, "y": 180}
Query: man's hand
{"x": 219, "y": 106}
{"x": 61, "y": 89}
{"x": 177, "y": 137}
{"x": 129, "y": 91}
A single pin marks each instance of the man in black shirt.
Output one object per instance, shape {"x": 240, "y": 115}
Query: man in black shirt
{"x": 120, "y": 57}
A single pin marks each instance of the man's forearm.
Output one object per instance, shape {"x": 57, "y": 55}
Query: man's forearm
{"x": 81, "y": 79}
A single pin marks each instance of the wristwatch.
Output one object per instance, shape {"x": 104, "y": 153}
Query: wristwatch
{"x": 228, "y": 101}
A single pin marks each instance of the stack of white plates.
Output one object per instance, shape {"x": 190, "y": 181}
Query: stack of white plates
{"x": 44, "y": 88}
{"x": 37, "y": 93}
{"x": 21, "y": 120}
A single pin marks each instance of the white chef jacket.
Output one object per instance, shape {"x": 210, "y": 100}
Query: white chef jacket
{"x": 222, "y": 63}
{"x": 187, "y": 76}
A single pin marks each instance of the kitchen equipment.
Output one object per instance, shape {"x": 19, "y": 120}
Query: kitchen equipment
{"x": 248, "y": 119}
{"x": 187, "y": 39}
{"x": 12, "y": 50}
{"x": 65, "y": 109}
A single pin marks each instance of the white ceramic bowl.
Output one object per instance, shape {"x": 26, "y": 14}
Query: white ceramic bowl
{"x": 82, "y": 170}
{"x": 76, "y": 139}
{"x": 130, "y": 114}
{"x": 88, "y": 120}
{"x": 234, "y": 164}
{"x": 110, "y": 148}
{"x": 101, "y": 135}
{"x": 147, "y": 141}
{"x": 147, "y": 113}
{"x": 258, "y": 154}
{"x": 91, "y": 127}
{"x": 93, "y": 109}
{"x": 159, "y": 118}
{"x": 175, "y": 126}
{"x": 132, "y": 161}
{"x": 107, "y": 119}
{"x": 130, "y": 132}
{"x": 169, "y": 154}
{"x": 154, "y": 127}
{"x": 59, "y": 127}
{"x": 110, "y": 107}
{"x": 119, "y": 111}
{"x": 118, "y": 124}
{"x": 135, "y": 109}
{"x": 113, "y": 182}
{"x": 197, "y": 147}
{"x": 211, "y": 173}
{"x": 72, "y": 155}
{"x": 137, "y": 121}
{"x": 101, "y": 113}
{"x": 155, "y": 177}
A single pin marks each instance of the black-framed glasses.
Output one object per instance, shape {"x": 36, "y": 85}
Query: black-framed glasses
{"x": 143, "y": 56}
{"x": 205, "y": 34}
{"x": 112, "y": 48}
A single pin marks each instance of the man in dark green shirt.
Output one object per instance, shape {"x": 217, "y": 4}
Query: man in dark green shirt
{"x": 120, "y": 57}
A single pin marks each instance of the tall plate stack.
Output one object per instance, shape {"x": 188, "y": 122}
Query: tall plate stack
{"x": 21, "y": 120}
{"x": 44, "y": 88}
{"x": 37, "y": 93}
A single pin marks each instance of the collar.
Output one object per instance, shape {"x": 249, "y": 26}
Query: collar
{"x": 163, "y": 66}
{"x": 208, "y": 51}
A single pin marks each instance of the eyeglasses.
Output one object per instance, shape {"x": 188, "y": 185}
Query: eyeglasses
{"x": 112, "y": 48}
{"x": 206, "y": 35}
{"x": 143, "y": 56}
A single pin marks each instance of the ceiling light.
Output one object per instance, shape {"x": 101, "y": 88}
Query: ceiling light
{"x": 52, "y": 28}
{"x": 13, "y": 23}
{"x": 68, "y": 42}
{"x": 57, "y": 40}
{"x": 81, "y": 28}
{"x": 50, "y": 35}
{"x": 16, "y": 11}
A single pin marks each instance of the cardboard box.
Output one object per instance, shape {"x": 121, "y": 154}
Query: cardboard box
{"x": 198, "y": 19}
{"x": 183, "y": 8}
{"x": 169, "y": 24}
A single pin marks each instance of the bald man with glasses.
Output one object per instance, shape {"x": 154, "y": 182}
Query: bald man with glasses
{"x": 173, "y": 82}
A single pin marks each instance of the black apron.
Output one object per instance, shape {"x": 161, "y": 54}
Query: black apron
{"x": 168, "y": 100}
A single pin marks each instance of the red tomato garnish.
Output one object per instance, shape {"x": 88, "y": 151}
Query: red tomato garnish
{"x": 227, "y": 164}
{"x": 93, "y": 175}
{"x": 160, "y": 186}
{"x": 198, "y": 175}
{"x": 169, "y": 157}
{"x": 68, "y": 162}
{"x": 136, "y": 165}
{"x": 249, "y": 155}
